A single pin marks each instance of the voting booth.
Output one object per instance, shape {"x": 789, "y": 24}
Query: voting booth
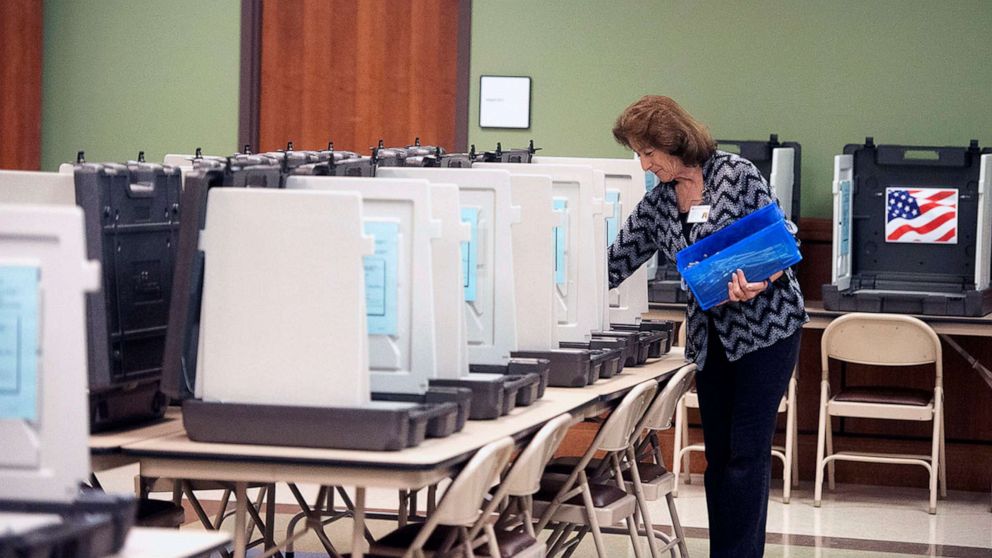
{"x": 911, "y": 230}
{"x": 247, "y": 372}
{"x": 44, "y": 278}
{"x": 480, "y": 220}
{"x": 132, "y": 218}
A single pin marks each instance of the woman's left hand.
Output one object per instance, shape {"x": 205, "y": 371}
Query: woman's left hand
{"x": 740, "y": 290}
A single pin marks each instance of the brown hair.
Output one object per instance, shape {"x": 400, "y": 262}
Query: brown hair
{"x": 659, "y": 122}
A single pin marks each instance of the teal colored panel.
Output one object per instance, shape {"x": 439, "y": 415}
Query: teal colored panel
{"x": 470, "y": 253}
{"x": 19, "y": 308}
{"x": 845, "y": 218}
{"x": 613, "y": 200}
{"x": 650, "y": 180}
{"x": 381, "y": 285}
{"x": 561, "y": 243}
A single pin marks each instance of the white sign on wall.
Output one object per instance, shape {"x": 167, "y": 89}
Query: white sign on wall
{"x": 504, "y": 102}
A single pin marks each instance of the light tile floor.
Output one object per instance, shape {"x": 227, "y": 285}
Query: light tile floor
{"x": 856, "y": 520}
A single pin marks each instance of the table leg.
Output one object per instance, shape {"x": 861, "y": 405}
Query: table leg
{"x": 240, "y": 507}
{"x": 358, "y": 531}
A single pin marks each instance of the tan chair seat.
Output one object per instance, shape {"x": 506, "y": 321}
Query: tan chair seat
{"x": 510, "y": 543}
{"x": 564, "y": 465}
{"x": 602, "y": 494}
{"x": 403, "y": 537}
{"x": 885, "y": 396}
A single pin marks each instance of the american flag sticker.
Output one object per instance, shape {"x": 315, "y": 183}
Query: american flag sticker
{"x": 923, "y": 215}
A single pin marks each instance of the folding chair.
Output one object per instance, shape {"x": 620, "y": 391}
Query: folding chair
{"x": 459, "y": 510}
{"x": 881, "y": 340}
{"x": 786, "y": 453}
{"x": 572, "y": 502}
{"x": 514, "y": 527}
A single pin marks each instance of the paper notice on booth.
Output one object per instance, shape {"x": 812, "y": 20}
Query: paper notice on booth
{"x": 19, "y": 342}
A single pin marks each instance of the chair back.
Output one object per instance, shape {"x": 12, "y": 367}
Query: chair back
{"x": 524, "y": 477}
{"x": 882, "y": 340}
{"x": 616, "y": 432}
{"x": 463, "y": 499}
{"x": 660, "y": 414}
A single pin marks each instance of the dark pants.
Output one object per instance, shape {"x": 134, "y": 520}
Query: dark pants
{"x": 738, "y": 404}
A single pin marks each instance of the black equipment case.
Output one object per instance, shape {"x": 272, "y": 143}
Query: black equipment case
{"x": 132, "y": 227}
{"x": 667, "y": 283}
{"x": 873, "y": 273}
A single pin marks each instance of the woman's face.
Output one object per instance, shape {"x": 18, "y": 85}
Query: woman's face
{"x": 666, "y": 167}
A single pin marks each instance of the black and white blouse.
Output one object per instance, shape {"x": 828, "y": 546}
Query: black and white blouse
{"x": 733, "y": 188}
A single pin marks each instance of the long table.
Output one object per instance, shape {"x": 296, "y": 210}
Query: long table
{"x": 105, "y": 447}
{"x": 174, "y": 455}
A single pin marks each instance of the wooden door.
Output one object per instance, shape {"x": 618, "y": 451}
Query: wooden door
{"x": 20, "y": 84}
{"x": 355, "y": 71}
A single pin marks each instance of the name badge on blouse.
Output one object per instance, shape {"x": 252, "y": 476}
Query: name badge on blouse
{"x": 699, "y": 214}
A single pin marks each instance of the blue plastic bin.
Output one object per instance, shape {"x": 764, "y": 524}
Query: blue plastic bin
{"x": 759, "y": 244}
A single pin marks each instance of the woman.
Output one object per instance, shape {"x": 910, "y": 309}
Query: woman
{"x": 746, "y": 348}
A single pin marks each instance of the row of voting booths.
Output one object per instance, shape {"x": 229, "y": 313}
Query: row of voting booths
{"x": 394, "y": 296}
{"x": 271, "y": 292}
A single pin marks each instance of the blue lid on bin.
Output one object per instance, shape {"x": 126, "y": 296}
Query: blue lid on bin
{"x": 758, "y": 243}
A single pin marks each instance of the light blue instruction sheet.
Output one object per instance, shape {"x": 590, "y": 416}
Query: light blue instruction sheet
{"x": 561, "y": 242}
{"x": 845, "y": 217}
{"x": 470, "y": 253}
{"x": 650, "y": 180}
{"x": 613, "y": 199}
{"x": 19, "y": 342}
{"x": 381, "y": 268}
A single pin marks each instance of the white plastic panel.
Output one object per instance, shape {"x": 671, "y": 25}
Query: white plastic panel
{"x": 485, "y": 198}
{"x": 449, "y": 297}
{"x": 625, "y": 182}
{"x": 843, "y": 192}
{"x": 44, "y": 411}
{"x": 42, "y": 188}
{"x": 782, "y": 179}
{"x": 283, "y": 311}
{"x": 578, "y": 300}
{"x": 533, "y": 263}
{"x": 400, "y": 312}
{"x": 983, "y": 249}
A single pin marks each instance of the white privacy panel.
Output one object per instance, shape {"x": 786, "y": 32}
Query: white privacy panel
{"x": 283, "y": 311}
{"x": 488, "y": 269}
{"x": 399, "y": 289}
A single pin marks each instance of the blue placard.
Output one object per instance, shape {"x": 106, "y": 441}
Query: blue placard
{"x": 561, "y": 243}
{"x": 650, "y": 180}
{"x": 470, "y": 253}
{"x": 613, "y": 199}
{"x": 845, "y": 217}
{"x": 19, "y": 342}
{"x": 381, "y": 286}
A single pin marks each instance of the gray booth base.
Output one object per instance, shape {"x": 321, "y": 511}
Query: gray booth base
{"x": 638, "y": 344}
{"x": 376, "y": 426}
{"x": 665, "y": 326}
{"x": 968, "y": 303}
{"x": 608, "y": 354}
{"x": 529, "y": 377}
{"x": 95, "y": 525}
{"x": 567, "y": 367}
{"x": 487, "y": 394}
{"x": 442, "y": 425}
{"x": 666, "y": 291}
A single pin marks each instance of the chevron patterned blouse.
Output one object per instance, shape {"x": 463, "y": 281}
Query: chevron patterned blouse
{"x": 733, "y": 188}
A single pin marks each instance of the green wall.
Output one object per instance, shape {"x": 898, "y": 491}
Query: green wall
{"x": 119, "y": 76}
{"x": 821, "y": 73}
